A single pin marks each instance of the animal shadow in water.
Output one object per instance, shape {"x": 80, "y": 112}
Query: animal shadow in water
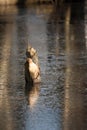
{"x": 32, "y": 93}
{"x": 28, "y": 78}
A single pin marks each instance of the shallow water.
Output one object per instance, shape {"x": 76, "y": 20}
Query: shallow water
{"x": 60, "y": 101}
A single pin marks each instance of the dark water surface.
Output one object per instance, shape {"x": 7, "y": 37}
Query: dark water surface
{"x": 60, "y": 101}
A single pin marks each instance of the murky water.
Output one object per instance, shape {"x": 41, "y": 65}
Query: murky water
{"x": 60, "y": 101}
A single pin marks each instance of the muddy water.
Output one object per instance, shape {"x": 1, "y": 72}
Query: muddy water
{"x": 60, "y": 101}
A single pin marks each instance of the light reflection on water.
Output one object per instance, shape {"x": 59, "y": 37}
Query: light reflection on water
{"x": 60, "y": 101}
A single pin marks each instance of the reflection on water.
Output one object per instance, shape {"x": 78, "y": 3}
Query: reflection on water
{"x": 75, "y": 112}
{"x": 60, "y": 101}
{"x": 32, "y": 94}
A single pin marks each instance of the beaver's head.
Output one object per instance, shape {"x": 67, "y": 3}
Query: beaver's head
{"x": 30, "y": 52}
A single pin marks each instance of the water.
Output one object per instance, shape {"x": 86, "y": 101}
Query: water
{"x": 60, "y": 101}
